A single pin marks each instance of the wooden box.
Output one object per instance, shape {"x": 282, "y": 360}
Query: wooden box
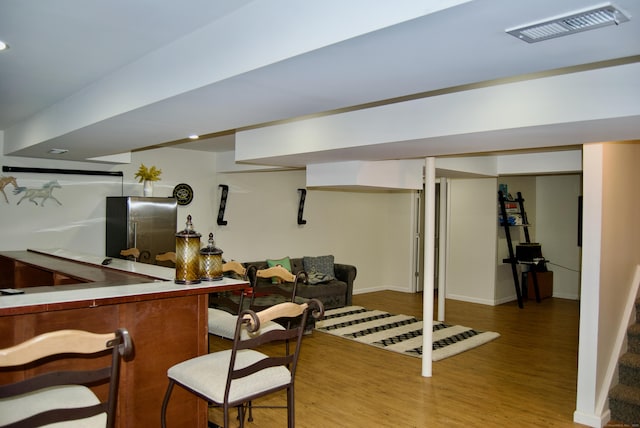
{"x": 545, "y": 284}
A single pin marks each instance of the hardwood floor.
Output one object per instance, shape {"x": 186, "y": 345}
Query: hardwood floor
{"x": 525, "y": 378}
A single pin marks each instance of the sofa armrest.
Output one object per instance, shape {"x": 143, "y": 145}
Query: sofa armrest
{"x": 346, "y": 274}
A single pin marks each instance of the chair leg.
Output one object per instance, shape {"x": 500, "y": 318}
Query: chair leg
{"x": 225, "y": 420}
{"x": 167, "y": 395}
{"x": 241, "y": 415}
{"x": 250, "y": 407}
{"x": 291, "y": 410}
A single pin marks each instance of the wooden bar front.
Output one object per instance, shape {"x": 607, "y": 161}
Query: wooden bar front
{"x": 166, "y": 326}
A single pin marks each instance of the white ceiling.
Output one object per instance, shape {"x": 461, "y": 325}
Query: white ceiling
{"x": 101, "y": 78}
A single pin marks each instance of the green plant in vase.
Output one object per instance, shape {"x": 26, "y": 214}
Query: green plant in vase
{"x": 147, "y": 176}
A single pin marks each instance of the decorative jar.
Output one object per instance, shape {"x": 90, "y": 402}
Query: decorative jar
{"x": 210, "y": 262}
{"x": 187, "y": 255}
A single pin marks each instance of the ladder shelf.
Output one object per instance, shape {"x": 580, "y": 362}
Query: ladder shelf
{"x": 513, "y": 260}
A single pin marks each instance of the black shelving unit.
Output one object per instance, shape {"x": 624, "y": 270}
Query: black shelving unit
{"x": 513, "y": 260}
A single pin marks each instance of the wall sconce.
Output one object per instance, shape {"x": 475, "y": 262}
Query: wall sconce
{"x": 303, "y": 195}
{"x": 223, "y": 204}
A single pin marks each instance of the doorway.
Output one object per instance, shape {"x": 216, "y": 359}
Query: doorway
{"x": 419, "y": 239}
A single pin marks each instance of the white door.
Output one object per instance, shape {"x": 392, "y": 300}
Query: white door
{"x": 418, "y": 248}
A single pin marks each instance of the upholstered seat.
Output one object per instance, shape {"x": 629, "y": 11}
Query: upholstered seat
{"x": 207, "y": 375}
{"x": 19, "y": 407}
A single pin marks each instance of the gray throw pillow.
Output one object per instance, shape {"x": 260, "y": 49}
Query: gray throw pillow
{"x": 318, "y": 278}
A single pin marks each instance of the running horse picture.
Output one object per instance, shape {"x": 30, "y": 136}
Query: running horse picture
{"x": 4, "y": 181}
{"x": 45, "y": 192}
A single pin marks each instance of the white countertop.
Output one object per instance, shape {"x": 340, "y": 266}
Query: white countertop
{"x": 98, "y": 293}
{"x": 160, "y": 272}
{"x": 112, "y": 291}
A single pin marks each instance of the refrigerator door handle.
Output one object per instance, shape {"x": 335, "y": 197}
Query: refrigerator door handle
{"x": 135, "y": 234}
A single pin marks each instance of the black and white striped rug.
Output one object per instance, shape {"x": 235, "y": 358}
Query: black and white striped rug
{"x": 400, "y": 333}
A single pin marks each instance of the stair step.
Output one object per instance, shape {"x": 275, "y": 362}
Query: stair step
{"x": 624, "y": 404}
{"x": 629, "y": 369}
{"x": 633, "y": 336}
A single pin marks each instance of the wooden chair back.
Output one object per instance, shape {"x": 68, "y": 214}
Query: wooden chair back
{"x": 56, "y": 345}
{"x": 132, "y": 253}
{"x": 277, "y": 272}
{"x": 234, "y": 266}
{"x": 266, "y": 294}
{"x": 169, "y": 256}
{"x": 232, "y": 302}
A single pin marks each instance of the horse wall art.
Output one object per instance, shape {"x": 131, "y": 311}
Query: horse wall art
{"x": 45, "y": 192}
{"x": 4, "y": 181}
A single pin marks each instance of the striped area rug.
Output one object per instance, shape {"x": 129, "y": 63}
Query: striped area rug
{"x": 400, "y": 333}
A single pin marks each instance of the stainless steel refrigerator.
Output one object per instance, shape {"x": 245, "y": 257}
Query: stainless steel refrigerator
{"x": 148, "y": 224}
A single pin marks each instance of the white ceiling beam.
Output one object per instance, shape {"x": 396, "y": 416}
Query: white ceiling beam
{"x": 477, "y": 120}
{"x": 391, "y": 174}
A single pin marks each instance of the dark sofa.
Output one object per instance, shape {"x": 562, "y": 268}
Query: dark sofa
{"x": 334, "y": 293}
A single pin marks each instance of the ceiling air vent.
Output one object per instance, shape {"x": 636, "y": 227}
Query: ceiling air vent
{"x": 570, "y": 24}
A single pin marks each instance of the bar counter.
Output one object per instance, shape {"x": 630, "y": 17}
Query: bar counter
{"x": 167, "y": 322}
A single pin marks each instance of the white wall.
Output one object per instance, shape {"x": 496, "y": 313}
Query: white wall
{"x": 371, "y": 230}
{"x": 557, "y": 231}
{"x": 472, "y": 240}
{"x": 79, "y": 223}
{"x": 551, "y": 204}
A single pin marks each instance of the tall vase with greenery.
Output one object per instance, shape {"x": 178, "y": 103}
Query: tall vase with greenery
{"x": 147, "y": 176}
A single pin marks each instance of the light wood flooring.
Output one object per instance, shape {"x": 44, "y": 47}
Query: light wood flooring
{"x": 525, "y": 378}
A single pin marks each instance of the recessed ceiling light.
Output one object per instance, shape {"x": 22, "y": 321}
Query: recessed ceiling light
{"x": 3, "y": 46}
{"x": 194, "y": 137}
{"x": 58, "y": 151}
{"x": 570, "y": 24}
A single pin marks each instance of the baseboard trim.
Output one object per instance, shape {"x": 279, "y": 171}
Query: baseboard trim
{"x": 461, "y": 298}
{"x": 566, "y": 296}
{"x": 449, "y": 296}
{"x": 473, "y": 300}
{"x": 375, "y": 289}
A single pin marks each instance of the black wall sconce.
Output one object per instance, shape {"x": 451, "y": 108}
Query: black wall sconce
{"x": 303, "y": 195}
{"x": 223, "y": 204}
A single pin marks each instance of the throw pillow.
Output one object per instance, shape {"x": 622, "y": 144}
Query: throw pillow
{"x": 317, "y": 278}
{"x": 319, "y": 268}
{"x": 285, "y": 262}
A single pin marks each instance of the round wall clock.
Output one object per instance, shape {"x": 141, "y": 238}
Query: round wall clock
{"x": 183, "y": 194}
